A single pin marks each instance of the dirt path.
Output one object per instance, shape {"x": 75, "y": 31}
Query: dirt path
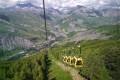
{"x": 73, "y": 72}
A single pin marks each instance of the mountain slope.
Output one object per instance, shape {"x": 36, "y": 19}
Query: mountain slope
{"x": 10, "y": 42}
{"x": 100, "y": 58}
{"x": 110, "y": 30}
{"x": 29, "y": 23}
{"x": 81, "y": 17}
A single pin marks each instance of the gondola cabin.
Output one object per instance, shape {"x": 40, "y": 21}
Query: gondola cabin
{"x": 72, "y": 61}
{"x": 68, "y": 60}
{"x": 65, "y": 59}
{"x": 78, "y": 62}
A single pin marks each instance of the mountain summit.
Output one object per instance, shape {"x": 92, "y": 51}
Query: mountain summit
{"x": 27, "y": 5}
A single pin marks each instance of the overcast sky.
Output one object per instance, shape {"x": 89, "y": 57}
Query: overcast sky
{"x": 64, "y": 3}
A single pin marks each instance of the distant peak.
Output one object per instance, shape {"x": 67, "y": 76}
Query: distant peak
{"x": 28, "y": 5}
{"x": 25, "y": 5}
{"x": 79, "y": 6}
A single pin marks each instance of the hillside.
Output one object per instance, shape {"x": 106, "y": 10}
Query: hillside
{"x": 100, "y": 33}
{"x": 101, "y": 61}
{"x": 110, "y": 30}
{"x": 38, "y": 67}
{"x": 101, "y": 58}
{"x": 80, "y": 18}
{"x": 16, "y": 69}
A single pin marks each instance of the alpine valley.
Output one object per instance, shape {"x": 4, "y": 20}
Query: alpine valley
{"x": 22, "y": 27}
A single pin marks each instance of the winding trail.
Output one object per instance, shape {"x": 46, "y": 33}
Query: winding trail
{"x": 73, "y": 72}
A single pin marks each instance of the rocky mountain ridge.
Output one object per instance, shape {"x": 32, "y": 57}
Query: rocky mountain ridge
{"x": 10, "y": 42}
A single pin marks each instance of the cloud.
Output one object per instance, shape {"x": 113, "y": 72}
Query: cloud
{"x": 65, "y": 3}
{"x": 101, "y": 4}
{"x": 7, "y": 3}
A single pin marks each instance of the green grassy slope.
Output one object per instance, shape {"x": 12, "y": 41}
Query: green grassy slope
{"x": 27, "y": 17}
{"x": 6, "y": 54}
{"x": 101, "y": 58}
{"x": 22, "y": 32}
{"x": 29, "y": 68}
{"x": 38, "y": 67}
{"x": 57, "y": 72}
{"x": 110, "y": 30}
{"x": 5, "y": 27}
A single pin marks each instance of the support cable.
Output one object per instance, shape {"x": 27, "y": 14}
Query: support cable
{"x": 45, "y": 20}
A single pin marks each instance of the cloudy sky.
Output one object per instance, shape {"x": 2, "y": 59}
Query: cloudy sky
{"x": 64, "y": 3}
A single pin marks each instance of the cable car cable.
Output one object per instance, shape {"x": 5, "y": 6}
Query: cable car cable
{"x": 45, "y": 20}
